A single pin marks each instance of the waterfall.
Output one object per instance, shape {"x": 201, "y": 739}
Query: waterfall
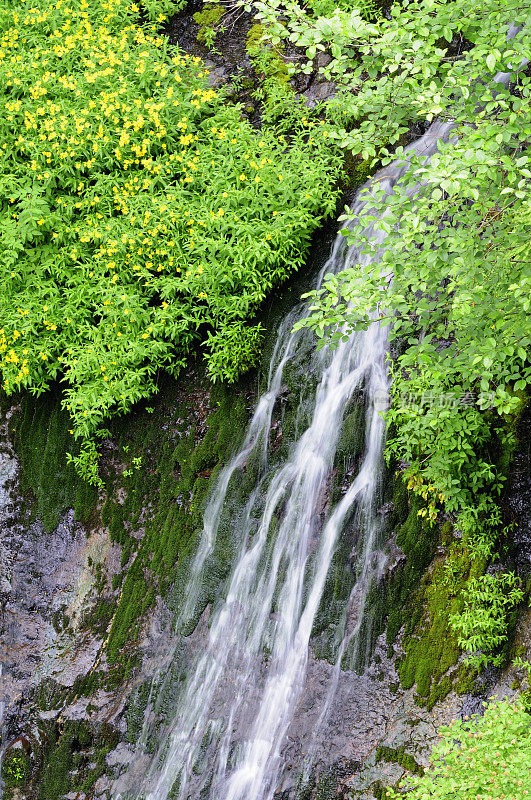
{"x": 225, "y": 738}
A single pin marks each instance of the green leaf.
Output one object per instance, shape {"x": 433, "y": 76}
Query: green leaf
{"x": 491, "y": 61}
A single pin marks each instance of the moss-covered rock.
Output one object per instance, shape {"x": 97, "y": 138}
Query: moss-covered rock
{"x": 72, "y": 757}
{"x": 430, "y": 644}
{"x": 180, "y": 458}
{"x": 16, "y": 768}
{"x": 209, "y": 22}
{"x": 399, "y": 756}
{"x": 42, "y": 439}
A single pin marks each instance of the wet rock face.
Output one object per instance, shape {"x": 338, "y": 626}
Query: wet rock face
{"x": 47, "y": 582}
{"x": 41, "y": 581}
{"x": 51, "y": 582}
{"x": 519, "y": 495}
{"x": 229, "y": 51}
{"x": 318, "y": 92}
{"x": 365, "y": 712}
{"x": 8, "y": 505}
{"x": 64, "y": 585}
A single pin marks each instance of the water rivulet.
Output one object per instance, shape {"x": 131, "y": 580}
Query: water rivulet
{"x": 225, "y": 735}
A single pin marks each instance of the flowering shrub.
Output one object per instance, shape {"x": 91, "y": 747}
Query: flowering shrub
{"x": 138, "y": 209}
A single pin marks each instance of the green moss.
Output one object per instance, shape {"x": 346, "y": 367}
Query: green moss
{"x": 446, "y": 535}
{"x": 56, "y": 780}
{"x": 104, "y": 744}
{"x": 418, "y": 543}
{"x": 60, "y": 620}
{"x": 41, "y": 437}
{"x": 378, "y": 790}
{"x": 98, "y": 618}
{"x": 352, "y": 437}
{"x": 399, "y": 756}
{"x": 208, "y": 20}
{"x": 327, "y": 786}
{"x": 86, "y": 685}
{"x": 72, "y": 757}
{"x": 438, "y": 691}
{"x": 357, "y": 171}
{"x": 464, "y": 679}
{"x": 126, "y": 619}
{"x": 431, "y": 646}
{"x": 50, "y": 695}
{"x": 135, "y": 711}
{"x": 268, "y": 60}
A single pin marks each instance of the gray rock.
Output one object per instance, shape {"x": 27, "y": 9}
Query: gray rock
{"x": 323, "y": 60}
{"x": 318, "y": 93}
{"x": 217, "y": 77}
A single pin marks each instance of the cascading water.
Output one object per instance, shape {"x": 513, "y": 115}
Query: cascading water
{"x": 225, "y": 739}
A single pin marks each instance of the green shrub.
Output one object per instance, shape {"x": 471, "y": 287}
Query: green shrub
{"x": 489, "y": 757}
{"x": 138, "y": 210}
{"x": 482, "y": 625}
{"x": 233, "y": 349}
{"x": 368, "y": 9}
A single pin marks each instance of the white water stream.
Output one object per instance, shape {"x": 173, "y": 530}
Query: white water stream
{"x": 277, "y": 582}
{"x": 238, "y": 700}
